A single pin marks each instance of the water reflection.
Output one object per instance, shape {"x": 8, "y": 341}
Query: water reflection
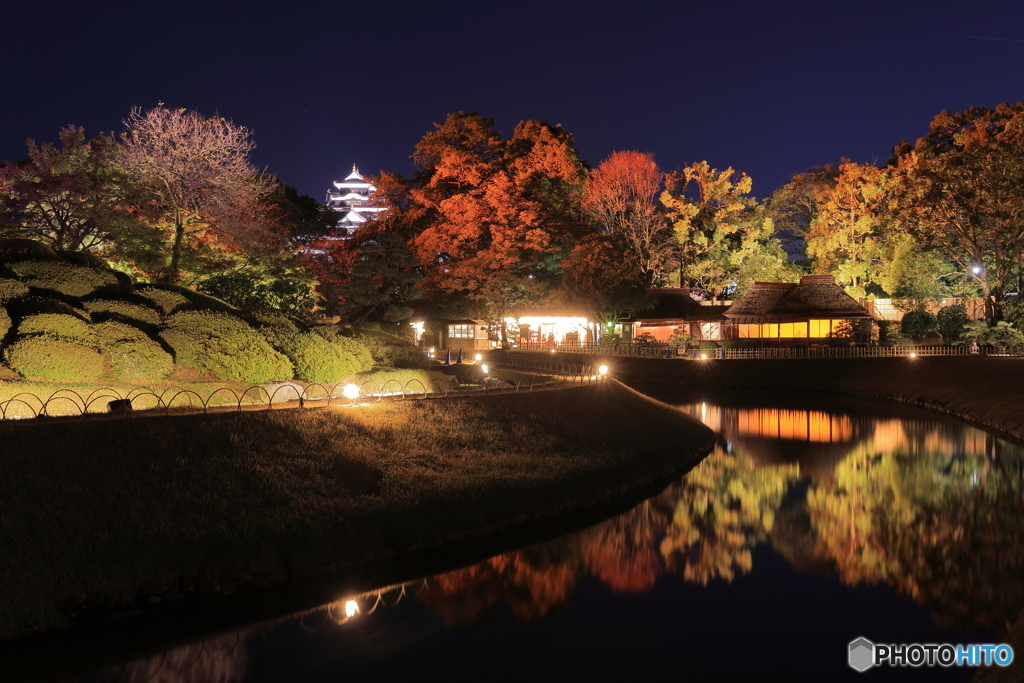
{"x": 930, "y": 507}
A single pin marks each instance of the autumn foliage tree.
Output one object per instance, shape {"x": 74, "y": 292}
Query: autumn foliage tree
{"x": 75, "y": 197}
{"x": 621, "y": 198}
{"x": 484, "y": 215}
{"x": 209, "y": 196}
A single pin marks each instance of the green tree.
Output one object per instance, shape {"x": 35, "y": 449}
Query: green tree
{"x": 383, "y": 281}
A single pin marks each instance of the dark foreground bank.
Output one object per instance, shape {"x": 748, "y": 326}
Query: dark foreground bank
{"x": 987, "y": 390}
{"x": 94, "y": 515}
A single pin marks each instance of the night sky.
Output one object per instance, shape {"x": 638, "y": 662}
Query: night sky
{"x": 770, "y": 88}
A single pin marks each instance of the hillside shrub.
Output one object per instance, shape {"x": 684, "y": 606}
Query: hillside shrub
{"x": 267, "y": 318}
{"x": 315, "y": 358}
{"x": 5, "y": 323}
{"x": 60, "y": 326}
{"x": 918, "y": 324}
{"x": 166, "y": 300}
{"x": 131, "y": 354}
{"x": 42, "y": 357}
{"x": 951, "y": 320}
{"x": 354, "y": 347}
{"x": 196, "y": 300}
{"x": 389, "y": 351}
{"x": 31, "y": 305}
{"x": 224, "y": 345}
{"x": 65, "y": 278}
{"x": 105, "y": 309}
{"x": 10, "y": 289}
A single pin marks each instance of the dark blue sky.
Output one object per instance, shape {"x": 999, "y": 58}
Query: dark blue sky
{"x": 770, "y": 88}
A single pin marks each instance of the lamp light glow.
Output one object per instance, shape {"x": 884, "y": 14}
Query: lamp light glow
{"x": 350, "y": 391}
{"x": 351, "y": 608}
{"x": 478, "y": 357}
{"x": 703, "y": 356}
{"x": 484, "y": 367}
{"x": 603, "y": 370}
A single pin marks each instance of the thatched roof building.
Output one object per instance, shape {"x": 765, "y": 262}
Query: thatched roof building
{"x": 814, "y": 297}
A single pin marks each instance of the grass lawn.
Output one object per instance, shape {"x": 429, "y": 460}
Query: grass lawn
{"x": 95, "y": 514}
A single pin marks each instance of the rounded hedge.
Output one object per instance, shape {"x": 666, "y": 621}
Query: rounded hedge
{"x": 5, "y": 323}
{"x": 112, "y": 332}
{"x": 61, "y": 326}
{"x": 11, "y": 289}
{"x": 224, "y": 345}
{"x": 917, "y": 324}
{"x": 166, "y": 300}
{"x": 315, "y": 358}
{"x": 140, "y": 360}
{"x": 31, "y": 305}
{"x": 42, "y": 357}
{"x": 389, "y": 351}
{"x": 65, "y": 278}
{"x": 16, "y": 249}
{"x": 951, "y": 321}
{"x": 101, "y": 309}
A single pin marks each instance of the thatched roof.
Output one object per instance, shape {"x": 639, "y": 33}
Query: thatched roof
{"x": 676, "y": 305}
{"x": 816, "y": 296}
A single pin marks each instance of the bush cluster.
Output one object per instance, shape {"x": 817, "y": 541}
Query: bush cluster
{"x": 918, "y": 324}
{"x": 42, "y": 357}
{"x": 59, "y": 326}
{"x": 315, "y": 358}
{"x": 65, "y": 278}
{"x": 5, "y": 323}
{"x": 389, "y": 351}
{"x": 131, "y": 355}
{"x": 166, "y": 300}
{"x": 103, "y": 308}
{"x": 951, "y": 321}
{"x": 10, "y": 289}
{"x": 224, "y": 345}
{"x": 31, "y": 305}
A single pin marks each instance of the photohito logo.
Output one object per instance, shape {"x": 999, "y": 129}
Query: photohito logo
{"x": 862, "y": 654}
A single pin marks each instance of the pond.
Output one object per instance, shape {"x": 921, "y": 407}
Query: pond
{"x": 814, "y": 522}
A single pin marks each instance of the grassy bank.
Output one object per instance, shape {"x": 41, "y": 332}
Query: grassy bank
{"x": 99, "y": 514}
{"x": 983, "y": 389}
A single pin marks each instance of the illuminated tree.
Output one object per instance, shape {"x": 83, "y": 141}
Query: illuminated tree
{"x": 209, "y": 196}
{"x": 603, "y": 279}
{"x": 959, "y": 192}
{"x": 722, "y": 242}
{"x": 75, "y": 198}
{"x": 621, "y": 198}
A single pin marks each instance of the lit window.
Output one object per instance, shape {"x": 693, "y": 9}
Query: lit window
{"x": 461, "y": 331}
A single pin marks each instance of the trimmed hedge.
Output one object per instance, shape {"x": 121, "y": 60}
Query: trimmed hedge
{"x": 65, "y": 278}
{"x": 113, "y": 332}
{"x": 142, "y": 360}
{"x": 60, "y": 326}
{"x": 196, "y": 300}
{"x": 10, "y": 289}
{"x": 101, "y": 308}
{"x": 274, "y": 319}
{"x": 31, "y": 305}
{"x": 315, "y": 358}
{"x": 389, "y": 351}
{"x": 16, "y": 249}
{"x": 166, "y": 300}
{"x": 224, "y": 345}
{"x": 5, "y": 323}
{"x": 42, "y": 357}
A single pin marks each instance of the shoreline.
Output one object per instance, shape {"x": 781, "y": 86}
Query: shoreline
{"x": 980, "y": 390}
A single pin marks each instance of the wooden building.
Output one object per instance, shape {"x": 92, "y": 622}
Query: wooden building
{"x": 674, "y": 311}
{"x": 786, "y": 313}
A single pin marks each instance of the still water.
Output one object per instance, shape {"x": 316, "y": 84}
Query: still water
{"x": 811, "y": 524}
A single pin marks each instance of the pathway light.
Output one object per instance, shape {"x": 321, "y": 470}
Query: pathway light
{"x": 603, "y": 370}
{"x": 478, "y": 357}
{"x": 484, "y": 367}
{"x": 351, "y": 391}
{"x": 703, "y": 356}
{"x": 351, "y": 606}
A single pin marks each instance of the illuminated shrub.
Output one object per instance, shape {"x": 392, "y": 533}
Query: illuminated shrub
{"x": 131, "y": 355}
{"x": 31, "y": 305}
{"x": 315, "y": 358}
{"x": 16, "y": 249}
{"x": 951, "y": 321}
{"x": 5, "y": 323}
{"x": 265, "y": 318}
{"x": 917, "y": 324}
{"x": 389, "y": 351}
{"x": 60, "y": 326}
{"x": 10, "y": 289}
{"x": 101, "y": 309}
{"x": 224, "y": 345}
{"x": 42, "y": 357}
{"x": 166, "y": 300}
{"x": 193, "y": 300}
{"x": 65, "y": 278}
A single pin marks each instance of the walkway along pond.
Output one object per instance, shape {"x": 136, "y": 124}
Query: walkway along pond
{"x": 813, "y": 522}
